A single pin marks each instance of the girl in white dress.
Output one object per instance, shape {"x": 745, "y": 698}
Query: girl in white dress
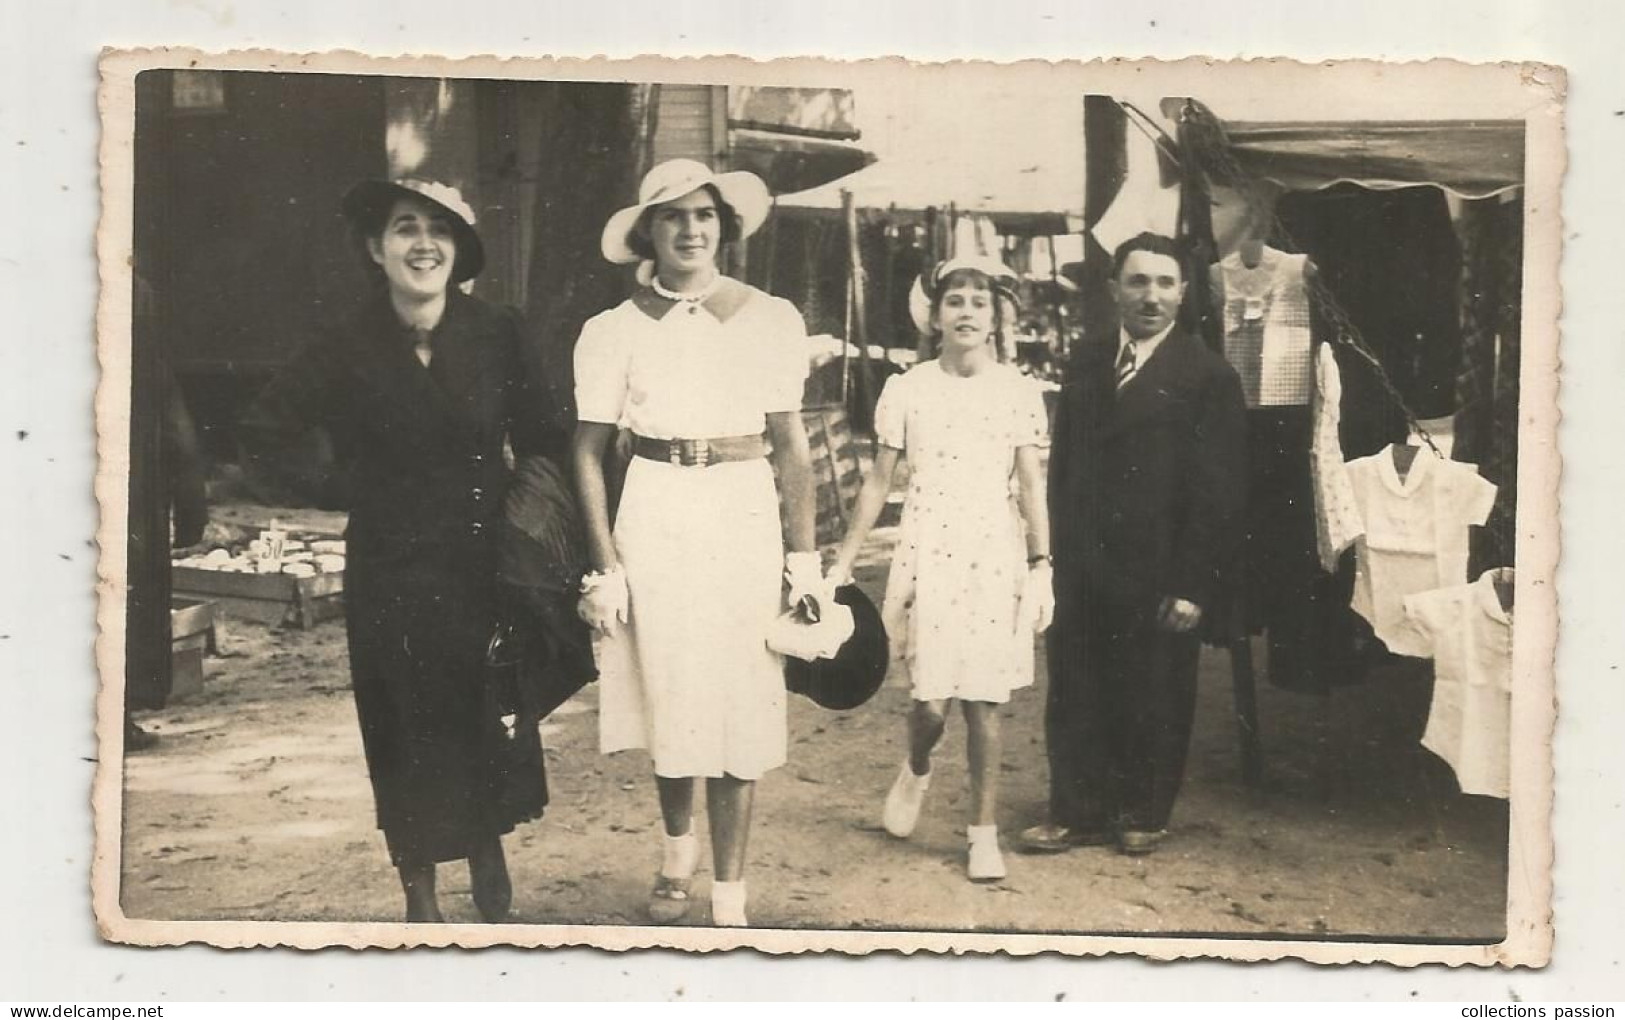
{"x": 970, "y": 580}
{"x": 696, "y": 366}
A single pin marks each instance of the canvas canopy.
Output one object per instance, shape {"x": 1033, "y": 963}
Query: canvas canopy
{"x": 1473, "y": 158}
{"x": 794, "y": 138}
{"x": 1019, "y": 162}
{"x": 1018, "y": 200}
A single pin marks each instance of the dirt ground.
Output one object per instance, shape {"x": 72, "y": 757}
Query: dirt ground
{"x": 255, "y": 805}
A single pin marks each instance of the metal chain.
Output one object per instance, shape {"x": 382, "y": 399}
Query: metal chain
{"x": 1217, "y": 156}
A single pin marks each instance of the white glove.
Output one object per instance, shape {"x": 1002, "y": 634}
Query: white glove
{"x": 804, "y": 574}
{"x": 793, "y": 636}
{"x": 604, "y": 600}
{"x": 1037, "y": 606}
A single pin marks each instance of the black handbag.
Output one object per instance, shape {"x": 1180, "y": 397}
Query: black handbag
{"x": 515, "y": 765}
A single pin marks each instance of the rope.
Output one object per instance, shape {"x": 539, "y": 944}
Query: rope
{"x": 1152, "y": 130}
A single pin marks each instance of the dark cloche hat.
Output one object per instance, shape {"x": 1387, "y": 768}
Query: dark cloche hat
{"x": 368, "y": 204}
{"x": 856, "y": 672}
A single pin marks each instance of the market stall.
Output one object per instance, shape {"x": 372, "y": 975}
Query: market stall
{"x": 1364, "y": 278}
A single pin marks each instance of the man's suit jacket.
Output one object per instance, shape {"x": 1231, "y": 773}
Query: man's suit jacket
{"x": 1147, "y": 483}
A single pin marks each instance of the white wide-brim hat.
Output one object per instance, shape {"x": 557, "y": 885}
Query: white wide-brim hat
{"x": 924, "y": 292}
{"x": 368, "y": 204}
{"x": 672, "y": 180}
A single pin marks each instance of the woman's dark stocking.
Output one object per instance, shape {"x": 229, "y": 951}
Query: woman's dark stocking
{"x": 417, "y": 880}
{"x": 488, "y": 874}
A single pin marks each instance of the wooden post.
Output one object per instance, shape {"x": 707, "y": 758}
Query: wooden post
{"x": 888, "y": 309}
{"x": 1060, "y": 297}
{"x": 769, "y": 251}
{"x": 846, "y": 341}
{"x": 857, "y": 333}
{"x": 1244, "y": 696}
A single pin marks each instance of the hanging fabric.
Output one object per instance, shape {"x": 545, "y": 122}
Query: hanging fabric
{"x": 1416, "y": 536}
{"x": 1467, "y": 631}
{"x": 1384, "y": 295}
{"x": 1143, "y": 203}
{"x": 1487, "y": 375}
{"x": 1392, "y": 262}
{"x": 1337, "y": 516}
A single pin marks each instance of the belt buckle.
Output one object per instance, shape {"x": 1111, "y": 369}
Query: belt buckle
{"x": 691, "y": 453}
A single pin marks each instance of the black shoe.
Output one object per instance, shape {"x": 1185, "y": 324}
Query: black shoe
{"x": 1139, "y": 843}
{"x": 1055, "y": 839}
{"x": 137, "y": 739}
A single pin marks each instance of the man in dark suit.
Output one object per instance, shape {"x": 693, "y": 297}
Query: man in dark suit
{"x": 1146, "y": 485}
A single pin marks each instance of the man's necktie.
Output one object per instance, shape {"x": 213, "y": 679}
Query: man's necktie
{"x": 1127, "y": 364}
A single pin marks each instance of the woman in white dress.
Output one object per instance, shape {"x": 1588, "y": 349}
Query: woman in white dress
{"x": 696, "y": 366}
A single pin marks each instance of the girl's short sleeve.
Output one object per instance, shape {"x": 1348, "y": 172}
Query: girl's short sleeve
{"x": 891, "y": 414}
{"x": 1031, "y": 422}
{"x": 602, "y": 359}
{"x": 787, "y": 364}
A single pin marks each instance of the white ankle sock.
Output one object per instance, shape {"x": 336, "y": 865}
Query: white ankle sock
{"x": 728, "y": 904}
{"x": 980, "y": 833}
{"x": 679, "y": 855}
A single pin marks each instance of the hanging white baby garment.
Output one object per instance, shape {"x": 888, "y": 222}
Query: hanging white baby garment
{"x": 1469, "y": 636}
{"x": 1415, "y": 537}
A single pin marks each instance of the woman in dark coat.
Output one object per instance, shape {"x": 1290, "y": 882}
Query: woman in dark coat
{"x": 421, "y": 385}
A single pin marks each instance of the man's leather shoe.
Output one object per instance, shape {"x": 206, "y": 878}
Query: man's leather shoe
{"x": 1054, "y": 839}
{"x": 1138, "y": 843}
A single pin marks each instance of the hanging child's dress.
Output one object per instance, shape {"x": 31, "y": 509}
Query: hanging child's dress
{"x": 1469, "y": 636}
{"x": 1266, "y": 326}
{"x": 1415, "y": 538}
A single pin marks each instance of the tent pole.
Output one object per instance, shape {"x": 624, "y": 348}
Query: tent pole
{"x": 846, "y": 343}
{"x": 888, "y": 317}
{"x": 856, "y": 331}
{"x": 1060, "y": 296}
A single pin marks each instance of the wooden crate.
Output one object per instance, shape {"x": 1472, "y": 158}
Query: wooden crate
{"x": 280, "y": 600}
{"x": 837, "y": 469}
{"x": 191, "y": 629}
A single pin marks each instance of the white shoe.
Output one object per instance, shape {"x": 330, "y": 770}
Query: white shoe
{"x": 903, "y": 802}
{"x": 986, "y": 863}
{"x": 728, "y": 905}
